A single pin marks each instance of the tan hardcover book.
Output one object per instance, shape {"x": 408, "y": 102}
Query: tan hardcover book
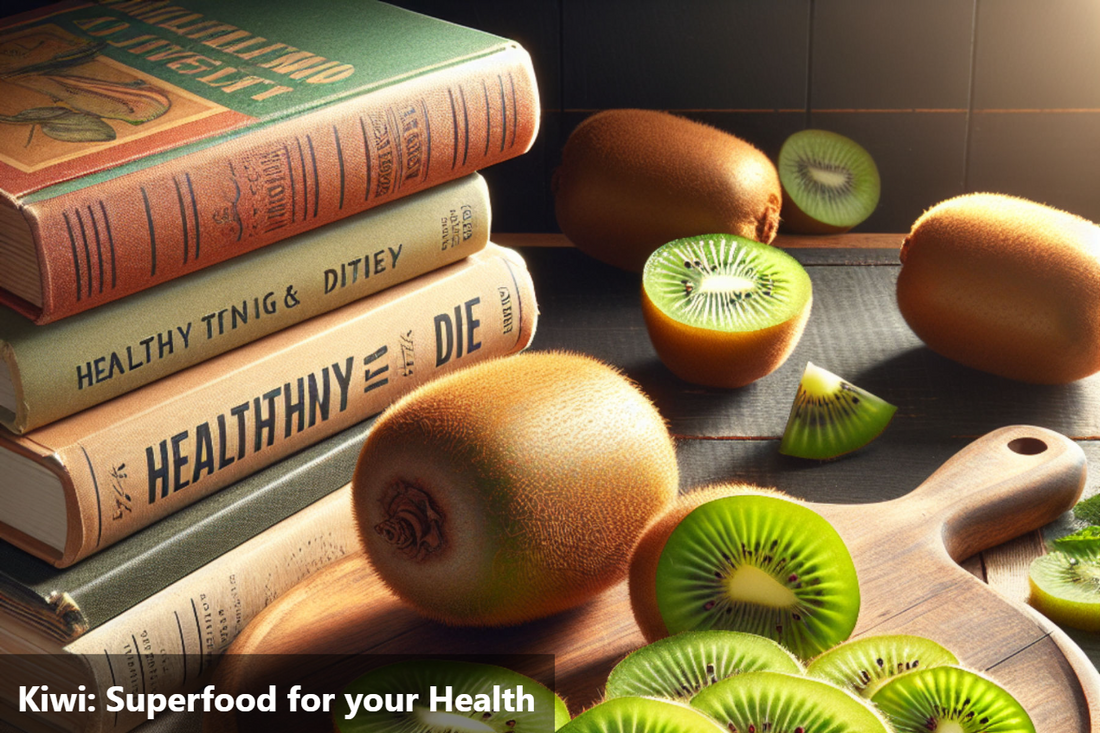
{"x": 171, "y": 641}
{"x": 78, "y": 485}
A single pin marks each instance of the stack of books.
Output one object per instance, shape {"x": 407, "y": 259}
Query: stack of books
{"x": 230, "y": 234}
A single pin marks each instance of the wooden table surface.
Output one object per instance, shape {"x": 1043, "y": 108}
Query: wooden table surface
{"x": 856, "y": 331}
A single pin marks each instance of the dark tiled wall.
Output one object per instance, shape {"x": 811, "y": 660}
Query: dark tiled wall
{"x": 948, "y": 95}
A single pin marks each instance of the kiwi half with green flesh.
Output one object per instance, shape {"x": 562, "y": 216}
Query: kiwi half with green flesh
{"x": 1065, "y": 587}
{"x": 831, "y": 416}
{"x": 761, "y": 564}
{"x": 637, "y": 714}
{"x": 679, "y": 666}
{"x": 647, "y": 551}
{"x": 864, "y": 665}
{"x": 722, "y": 310}
{"x": 773, "y": 702}
{"x": 398, "y": 697}
{"x": 830, "y": 183}
{"x": 950, "y": 700}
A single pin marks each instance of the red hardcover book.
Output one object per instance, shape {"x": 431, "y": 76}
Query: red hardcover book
{"x": 140, "y": 141}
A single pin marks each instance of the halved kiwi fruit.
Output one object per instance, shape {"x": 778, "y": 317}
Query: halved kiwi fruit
{"x": 1065, "y": 587}
{"x": 722, "y": 310}
{"x": 647, "y": 551}
{"x": 679, "y": 666}
{"x": 397, "y": 698}
{"x": 831, "y": 416}
{"x": 830, "y": 182}
{"x": 761, "y": 564}
{"x": 864, "y": 665}
{"x": 950, "y": 700}
{"x": 773, "y": 702}
{"x": 637, "y": 714}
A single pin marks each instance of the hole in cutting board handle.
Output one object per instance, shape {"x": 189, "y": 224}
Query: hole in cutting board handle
{"x": 1027, "y": 446}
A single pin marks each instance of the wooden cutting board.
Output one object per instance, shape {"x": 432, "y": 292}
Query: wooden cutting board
{"x": 1007, "y": 483}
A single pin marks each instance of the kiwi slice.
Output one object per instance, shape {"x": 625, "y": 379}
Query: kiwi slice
{"x": 1065, "y": 587}
{"x": 760, "y": 564}
{"x": 678, "y": 666}
{"x": 864, "y": 665}
{"x": 722, "y": 310}
{"x": 830, "y": 183}
{"x": 637, "y": 714}
{"x": 773, "y": 702}
{"x": 398, "y": 697}
{"x": 831, "y": 416}
{"x": 950, "y": 700}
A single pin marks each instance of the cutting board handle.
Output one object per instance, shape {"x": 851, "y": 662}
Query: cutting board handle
{"x": 1006, "y": 483}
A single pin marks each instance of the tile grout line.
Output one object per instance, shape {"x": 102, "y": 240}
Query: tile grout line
{"x": 968, "y": 135}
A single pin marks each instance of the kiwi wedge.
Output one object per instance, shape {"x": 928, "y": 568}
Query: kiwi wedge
{"x": 722, "y": 310}
{"x": 773, "y": 702}
{"x": 678, "y": 666}
{"x": 950, "y": 700}
{"x": 1065, "y": 587}
{"x": 636, "y": 714}
{"x": 830, "y": 183}
{"x": 398, "y": 697}
{"x": 760, "y": 564}
{"x": 831, "y": 416}
{"x": 864, "y": 665}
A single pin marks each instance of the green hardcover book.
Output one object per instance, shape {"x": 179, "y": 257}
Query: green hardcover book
{"x": 51, "y": 371}
{"x": 144, "y": 140}
{"x": 62, "y": 605}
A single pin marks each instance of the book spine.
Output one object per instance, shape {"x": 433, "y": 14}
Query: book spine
{"x": 170, "y": 641}
{"x": 111, "y": 239}
{"x": 141, "y": 456}
{"x": 64, "y": 367}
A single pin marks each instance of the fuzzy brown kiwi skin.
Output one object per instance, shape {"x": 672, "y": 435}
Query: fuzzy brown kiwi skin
{"x": 1005, "y": 285}
{"x": 631, "y": 180}
{"x": 643, "y": 562}
{"x": 513, "y": 489}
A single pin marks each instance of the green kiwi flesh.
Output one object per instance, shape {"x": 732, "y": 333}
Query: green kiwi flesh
{"x": 773, "y": 702}
{"x": 637, "y": 714}
{"x": 723, "y": 282}
{"x": 395, "y": 682}
{"x": 678, "y": 666}
{"x": 831, "y": 181}
{"x": 1065, "y": 587}
{"x": 830, "y": 416}
{"x": 864, "y": 665}
{"x": 950, "y": 700}
{"x": 763, "y": 565}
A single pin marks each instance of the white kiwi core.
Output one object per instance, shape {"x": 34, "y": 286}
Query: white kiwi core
{"x": 750, "y": 584}
{"x": 949, "y": 726}
{"x": 830, "y": 177}
{"x": 726, "y": 284}
{"x": 443, "y": 721}
{"x": 818, "y": 382}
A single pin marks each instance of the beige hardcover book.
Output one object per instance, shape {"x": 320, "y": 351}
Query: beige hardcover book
{"x": 169, "y": 642}
{"x": 77, "y": 485}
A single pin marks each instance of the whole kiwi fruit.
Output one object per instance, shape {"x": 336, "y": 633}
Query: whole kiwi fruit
{"x": 512, "y": 489}
{"x": 1005, "y": 285}
{"x": 632, "y": 179}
